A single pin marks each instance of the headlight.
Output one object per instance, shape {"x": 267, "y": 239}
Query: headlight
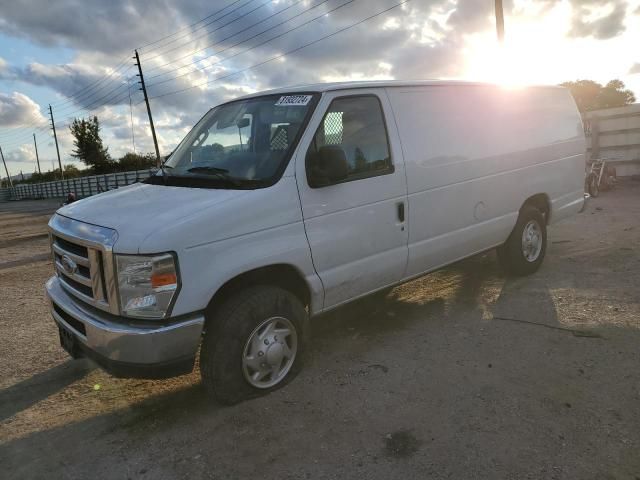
{"x": 146, "y": 284}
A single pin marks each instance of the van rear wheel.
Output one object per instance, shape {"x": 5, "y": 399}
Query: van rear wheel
{"x": 523, "y": 252}
{"x": 253, "y": 344}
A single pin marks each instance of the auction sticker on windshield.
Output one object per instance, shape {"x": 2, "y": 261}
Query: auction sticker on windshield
{"x": 294, "y": 100}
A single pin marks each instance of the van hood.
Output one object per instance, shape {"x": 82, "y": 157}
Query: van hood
{"x": 138, "y": 210}
{"x": 158, "y": 218}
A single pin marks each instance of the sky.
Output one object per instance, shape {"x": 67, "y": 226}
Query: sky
{"x": 195, "y": 54}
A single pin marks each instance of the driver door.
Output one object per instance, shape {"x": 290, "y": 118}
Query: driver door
{"x": 356, "y": 226}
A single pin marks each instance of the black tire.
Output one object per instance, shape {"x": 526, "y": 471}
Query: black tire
{"x": 511, "y": 255}
{"x": 228, "y": 331}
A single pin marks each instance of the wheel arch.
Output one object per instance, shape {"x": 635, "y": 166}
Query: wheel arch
{"x": 281, "y": 275}
{"x": 542, "y": 202}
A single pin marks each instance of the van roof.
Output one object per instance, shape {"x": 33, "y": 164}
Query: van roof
{"x": 327, "y": 87}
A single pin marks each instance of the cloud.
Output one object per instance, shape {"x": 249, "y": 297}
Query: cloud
{"x": 23, "y": 153}
{"x": 18, "y": 110}
{"x": 418, "y": 40}
{"x": 113, "y": 27}
{"x": 588, "y": 19}
{"x": 635, "y": 68}
{"x": 421, "y": 39}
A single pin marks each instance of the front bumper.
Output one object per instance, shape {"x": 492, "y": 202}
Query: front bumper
{"x": 127, "y": 349}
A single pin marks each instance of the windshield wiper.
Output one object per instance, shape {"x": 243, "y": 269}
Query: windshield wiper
{"x": 205, "y": 169}
{"x": 221, "y": 173}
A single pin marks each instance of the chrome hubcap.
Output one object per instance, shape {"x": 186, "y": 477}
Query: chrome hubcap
{"x": 269, "y": 352}
{"x": 532, "y": 241}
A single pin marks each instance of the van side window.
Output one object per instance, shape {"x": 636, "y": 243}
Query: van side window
{"x": 356, "y": 126}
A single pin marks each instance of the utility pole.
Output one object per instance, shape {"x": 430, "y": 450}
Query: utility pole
{"x": 146, "y": 100}
{"x": 133, "y": 135}
{"x": 53, "y": 127}
{"x": 5, "y": 168}
{"x": 37, "y": 158}
{"x": 500, "y": 21}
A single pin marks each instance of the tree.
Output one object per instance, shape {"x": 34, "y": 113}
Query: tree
{"x": 135, "y": 161}
{"x": 614, "y": 94}
{"x": 590, "y": 95}
{"x": 71, "y": 171}
{"x": 88, "y": 145}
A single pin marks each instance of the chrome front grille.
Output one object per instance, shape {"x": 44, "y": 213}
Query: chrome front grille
{"x": 80, "y": 268}
{"x": 83, "y": 261}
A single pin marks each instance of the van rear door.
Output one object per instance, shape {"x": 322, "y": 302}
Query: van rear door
{"x": 352, "y": 185}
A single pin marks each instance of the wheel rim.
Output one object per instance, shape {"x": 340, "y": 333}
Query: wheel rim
{"x": 269, "y": 352}
{"x": 532, "y": 241}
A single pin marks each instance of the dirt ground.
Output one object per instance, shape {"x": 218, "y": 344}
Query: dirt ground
{"x": 461, "y": 374}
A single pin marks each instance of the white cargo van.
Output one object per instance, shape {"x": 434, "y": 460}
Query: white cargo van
{"x": 282, "y": 205}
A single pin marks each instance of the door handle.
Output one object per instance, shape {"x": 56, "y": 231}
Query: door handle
{"x": 401, "y": 211}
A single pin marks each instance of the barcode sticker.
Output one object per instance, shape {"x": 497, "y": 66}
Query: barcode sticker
{"x": 293, "y": 101}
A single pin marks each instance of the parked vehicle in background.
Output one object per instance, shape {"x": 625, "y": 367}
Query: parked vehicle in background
{"x": 282, "y": 205}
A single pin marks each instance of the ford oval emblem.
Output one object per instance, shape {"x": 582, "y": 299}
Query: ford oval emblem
{"x": 69, "y": 265}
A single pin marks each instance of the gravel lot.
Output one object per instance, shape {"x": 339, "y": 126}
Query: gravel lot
{"x": 461, "y": 374}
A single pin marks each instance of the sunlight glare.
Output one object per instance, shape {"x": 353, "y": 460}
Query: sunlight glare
{"x": 533, "y": 52}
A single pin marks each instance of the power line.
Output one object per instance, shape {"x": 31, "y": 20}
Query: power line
{"x": 23, "y": 137}
{"x": 33, "y": 125}
{"x": 90, "y": 92}
{"x": 283, "y": 54}
{"x": 86, "y": 92}
{"x": 19, "y": 141}
{"x": 275, "y": 37}
{"x": 113, "y": 99}
{"x": 187, "y": 27}
{"x": 115, "y": 96}
{"x": 231, "y": 36}
{"x": 80, "y": 93}
{"x": 215, "y": 29}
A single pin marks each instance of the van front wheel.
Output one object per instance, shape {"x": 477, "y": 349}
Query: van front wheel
{"x": 253, "y": 344}
{"x": 524, "y": 250}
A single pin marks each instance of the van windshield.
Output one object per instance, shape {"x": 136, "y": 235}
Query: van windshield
{"x": 242, "y": 144}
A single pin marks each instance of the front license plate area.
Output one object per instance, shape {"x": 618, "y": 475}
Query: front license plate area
{"x": 68, "y": 342}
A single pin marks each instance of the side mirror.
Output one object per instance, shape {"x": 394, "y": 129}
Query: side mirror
{"x": 329, "y": 165}
{"x": 243, "y": 123}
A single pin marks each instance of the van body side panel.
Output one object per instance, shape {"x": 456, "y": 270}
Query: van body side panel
{"x": 210, "y": 257}
{"x": 474, "y": 154}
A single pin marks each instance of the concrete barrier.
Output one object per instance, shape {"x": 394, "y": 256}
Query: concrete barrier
{"x": 83, "y": 186}
{"x": 613, "y": 134}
